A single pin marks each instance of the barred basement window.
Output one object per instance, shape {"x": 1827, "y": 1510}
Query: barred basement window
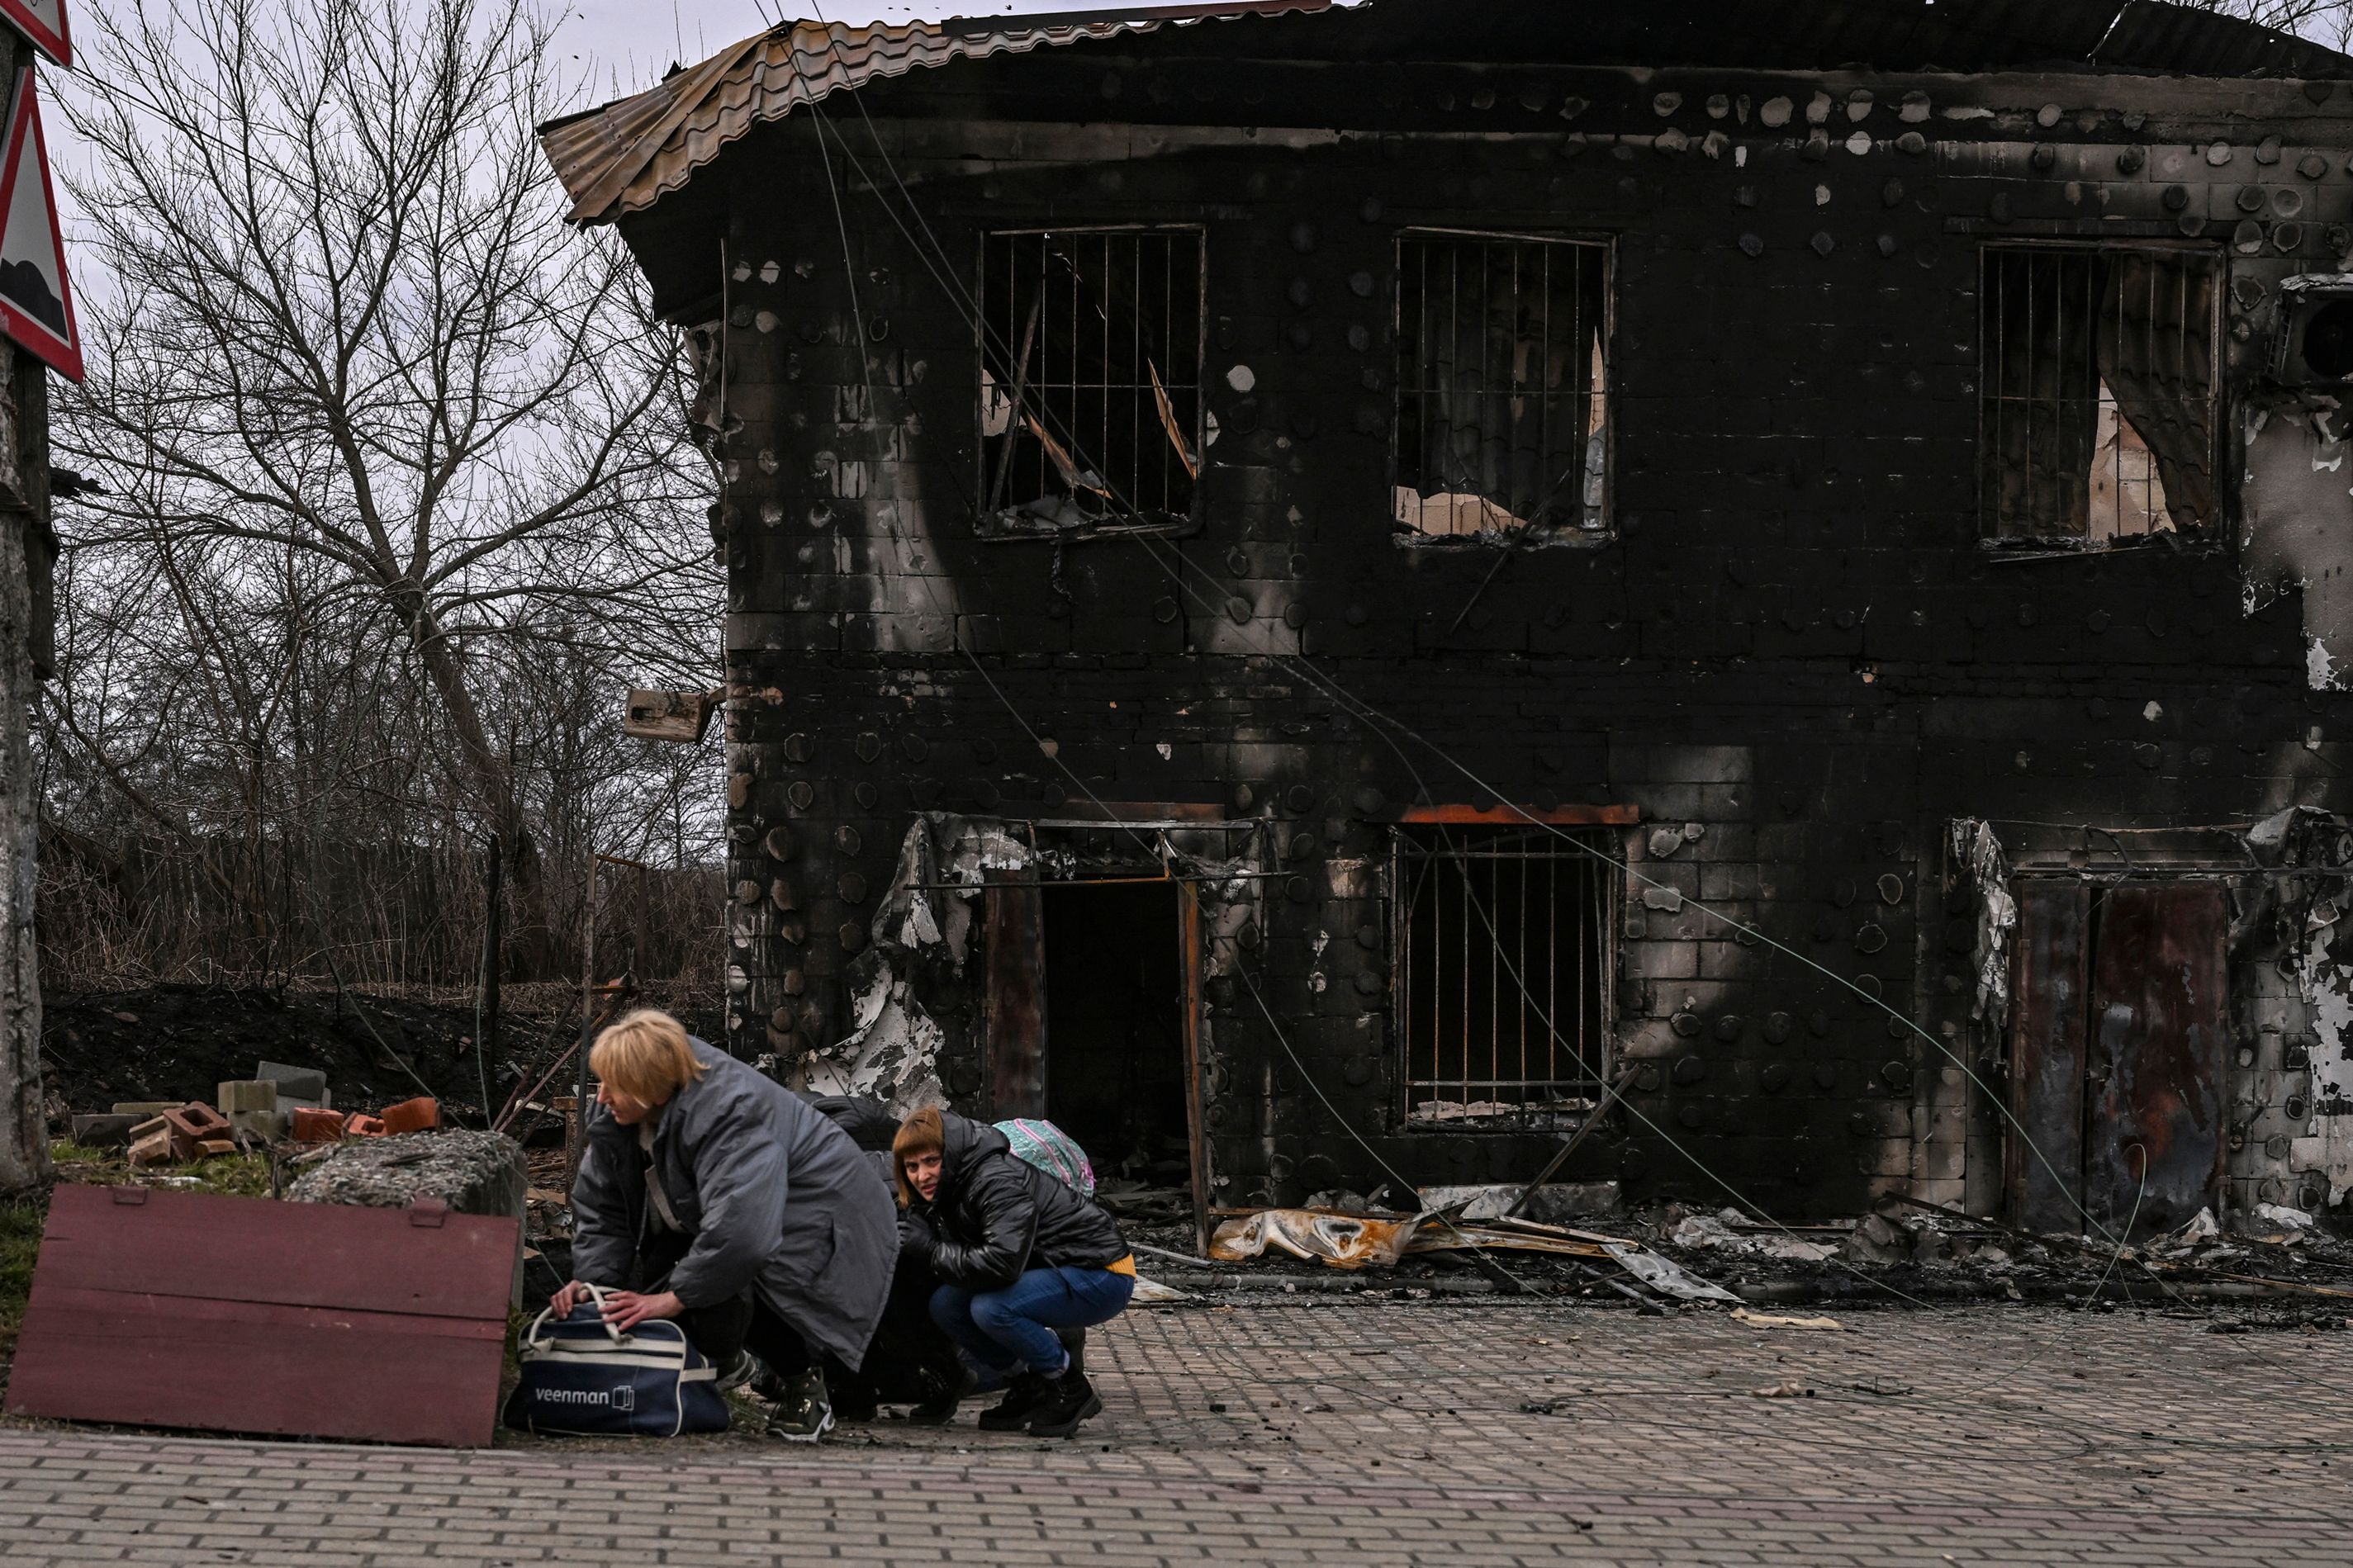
{"x": 1503, "y": 957}
{"x": 2099, "y": 411}
{"x": 1090, "y": 383}
{"x": 1503, "y": 384}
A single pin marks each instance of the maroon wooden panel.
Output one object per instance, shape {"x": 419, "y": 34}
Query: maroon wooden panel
{"x": 2159, "y": 1015}
{"x": 190, "y": 1310}
{"x": 1017, "y": 997}
{"x": 2050, "y": 956}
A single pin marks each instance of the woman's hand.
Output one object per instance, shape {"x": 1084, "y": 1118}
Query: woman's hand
{"x": 625, "y": 1309}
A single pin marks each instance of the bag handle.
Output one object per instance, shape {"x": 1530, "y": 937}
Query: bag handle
{"x": 596, "y": 1294}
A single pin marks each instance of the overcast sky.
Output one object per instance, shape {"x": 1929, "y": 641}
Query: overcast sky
{"x": 631, "y": 42}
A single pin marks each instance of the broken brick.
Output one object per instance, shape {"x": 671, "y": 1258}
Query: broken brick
{"x": 419, "y": 1115}
{"x": 212, "y": 1146}
{"x": 197, "y": 1121}
{"x": 313, "y": 1126}
{"x": 359, "y": 1126}
{"x": 155, "y": 1148}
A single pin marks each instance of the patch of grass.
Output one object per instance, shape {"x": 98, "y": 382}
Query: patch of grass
{"x": 236, "y": 1175}
{"x": 20, "y": 1244}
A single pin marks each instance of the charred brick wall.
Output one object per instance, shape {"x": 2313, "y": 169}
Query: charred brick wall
{"x": 1791, "y": 653}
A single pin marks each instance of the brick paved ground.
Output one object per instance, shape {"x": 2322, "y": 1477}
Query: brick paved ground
{"x": 1366, "y": 1434}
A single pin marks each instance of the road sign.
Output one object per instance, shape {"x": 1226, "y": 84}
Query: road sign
{"x": 36, "y": 300}
{"x": 44, "y": 22}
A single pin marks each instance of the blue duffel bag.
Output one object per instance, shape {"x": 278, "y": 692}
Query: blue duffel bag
{"x": 581, "y": 1376}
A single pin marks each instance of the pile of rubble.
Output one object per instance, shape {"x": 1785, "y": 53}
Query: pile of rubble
{"x": 280, "y": 1104}
{"x": 1925, "y": 1249}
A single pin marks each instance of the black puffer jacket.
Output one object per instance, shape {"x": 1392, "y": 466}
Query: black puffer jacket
{"x": 992, "y": 1215}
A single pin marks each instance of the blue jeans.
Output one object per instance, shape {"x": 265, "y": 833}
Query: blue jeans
{"x": 1014, "y": 1327}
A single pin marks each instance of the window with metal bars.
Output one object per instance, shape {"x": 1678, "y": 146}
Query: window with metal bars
{"x": 2100, "y": 405}
{"x": 1502, "y": 385}
{"x": 1090, "y": 343}
{"x": 1503, "y": 968}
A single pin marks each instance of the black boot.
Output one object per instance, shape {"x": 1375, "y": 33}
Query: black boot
{"x": 1069, "y": 1399}
{"x": 1022, "y": 1397}
{"x": 856, "y": 1400}
{"x": 946, "y": 1389}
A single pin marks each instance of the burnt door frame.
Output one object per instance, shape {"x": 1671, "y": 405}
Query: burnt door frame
{"x": 2119, "y": 1027}
{"x": 2050, "y": 966}
{"x": 1016, "y": 916}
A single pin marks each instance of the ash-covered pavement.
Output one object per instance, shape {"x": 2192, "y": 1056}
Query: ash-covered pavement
{"x": 1353, "y": 1431}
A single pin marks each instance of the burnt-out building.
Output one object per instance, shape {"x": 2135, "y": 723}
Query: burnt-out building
{"x": 1310, "y": 587}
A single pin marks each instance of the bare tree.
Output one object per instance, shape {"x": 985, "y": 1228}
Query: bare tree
{"x": 2327, "y": 22}
{"x": 348, "y": 365}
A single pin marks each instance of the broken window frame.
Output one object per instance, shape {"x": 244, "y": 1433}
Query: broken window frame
{"x": 1589, "y": 519}
{"x": 1105, "y": 513}
{"x": 1997, "y": 536}
{"x": 1569, "y": 1089}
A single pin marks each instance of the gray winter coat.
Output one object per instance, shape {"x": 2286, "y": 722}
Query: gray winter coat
{"x": 775, "y": 1196}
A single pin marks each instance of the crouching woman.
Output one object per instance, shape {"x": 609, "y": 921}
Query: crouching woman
{"x": 1020, "y": 1255}
{"x": 709, "y": 1194}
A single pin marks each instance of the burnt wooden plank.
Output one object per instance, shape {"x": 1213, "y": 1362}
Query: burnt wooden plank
{"x": 188, "y": 1309}
{"x": 2159, "y": 1014}
{"x": 2050, "y": 956}
{"x": 1017, "y": 997}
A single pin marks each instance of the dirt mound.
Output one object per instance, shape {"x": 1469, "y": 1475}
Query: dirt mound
{"x": 179, "y": 1042}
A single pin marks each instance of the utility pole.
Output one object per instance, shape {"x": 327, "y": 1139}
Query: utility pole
{"x": 28, "y": 549}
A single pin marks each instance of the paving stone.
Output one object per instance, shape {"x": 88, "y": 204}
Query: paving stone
{"x": 1371, "y": 1434}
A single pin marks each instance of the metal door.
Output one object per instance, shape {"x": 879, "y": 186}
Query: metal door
{"x": 2118, "y": 1020}
{"x": 2153, "y": 1076}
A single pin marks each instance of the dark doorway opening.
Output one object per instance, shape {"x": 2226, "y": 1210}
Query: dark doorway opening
{"x": 1115, "y": 1057}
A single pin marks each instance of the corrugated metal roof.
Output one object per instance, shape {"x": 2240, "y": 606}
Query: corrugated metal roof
{"x": 623, "y": 157}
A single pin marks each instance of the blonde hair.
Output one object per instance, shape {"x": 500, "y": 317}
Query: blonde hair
{"x": 646, "y": 1055}
{"x": 922, "y": 1133}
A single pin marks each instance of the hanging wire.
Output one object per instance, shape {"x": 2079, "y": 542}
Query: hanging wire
{"x": 1394, "y": 732}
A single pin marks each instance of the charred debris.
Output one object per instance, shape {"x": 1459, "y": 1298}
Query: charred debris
{"x": 1332, "y": 597}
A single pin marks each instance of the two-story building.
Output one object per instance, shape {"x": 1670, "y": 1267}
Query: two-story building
{"x": 1313, "y": 588}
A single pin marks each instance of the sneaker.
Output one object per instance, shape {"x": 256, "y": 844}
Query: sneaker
{"x": 805, "y": 1413}
{"x": 1022, "y": 1397}
{"x": 1069, "y": 1399}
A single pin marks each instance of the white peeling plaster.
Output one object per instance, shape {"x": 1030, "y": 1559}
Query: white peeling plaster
{"x": 892, "y": 1052}
{"x": 1975, "y": 845}
{"x": 2311, "y": 840}
{"x": 2299, "y": 517}
{"x": 2328, "y": 1146}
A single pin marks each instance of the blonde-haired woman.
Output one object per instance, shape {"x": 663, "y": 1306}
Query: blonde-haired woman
{"x": 711, "y": 1194}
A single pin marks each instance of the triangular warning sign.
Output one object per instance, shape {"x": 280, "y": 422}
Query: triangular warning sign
{"x": 36, "y": 302}
{"x": 44, "y": 22}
